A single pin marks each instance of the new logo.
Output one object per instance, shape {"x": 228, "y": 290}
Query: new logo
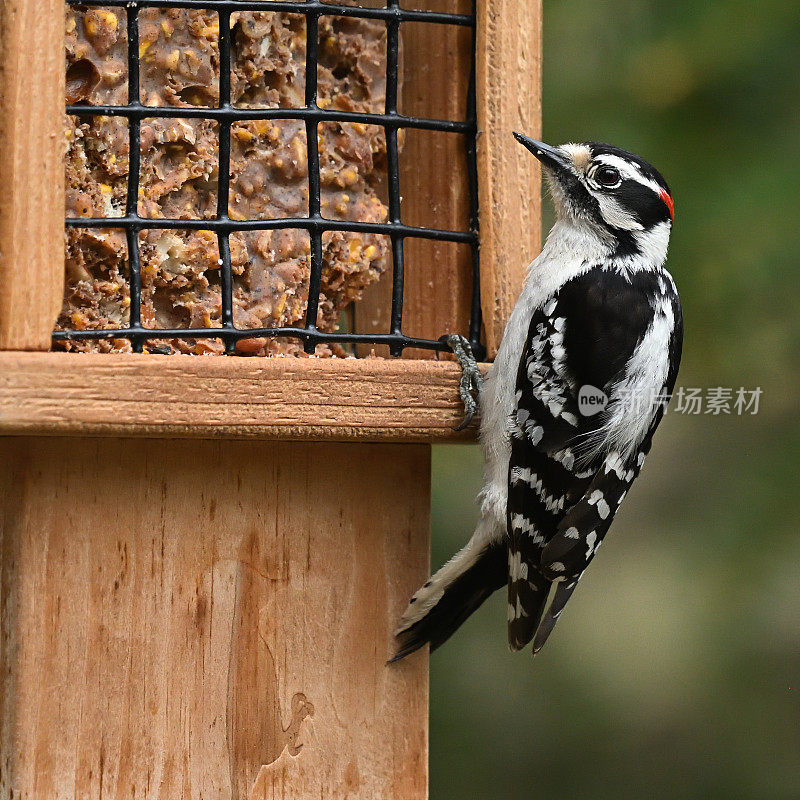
{"x": 591, "y": 400}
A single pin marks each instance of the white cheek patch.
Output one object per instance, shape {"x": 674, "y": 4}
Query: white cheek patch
{"x": 653, "y": 244}
{"x": 615, "y": 215}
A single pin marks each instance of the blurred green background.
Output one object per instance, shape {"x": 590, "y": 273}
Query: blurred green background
{"x": 675, "y": 670}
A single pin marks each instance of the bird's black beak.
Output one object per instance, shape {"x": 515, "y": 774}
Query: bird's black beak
{"x": 549, "y": 156}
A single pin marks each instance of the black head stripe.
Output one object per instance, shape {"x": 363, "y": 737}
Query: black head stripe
{"x": 647, "y": 207}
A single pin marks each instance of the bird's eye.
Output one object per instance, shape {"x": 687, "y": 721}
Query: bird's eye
{"x": 607, "y": 176}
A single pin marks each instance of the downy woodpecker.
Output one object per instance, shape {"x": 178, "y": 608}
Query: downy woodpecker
{"x": 582, "y": 376}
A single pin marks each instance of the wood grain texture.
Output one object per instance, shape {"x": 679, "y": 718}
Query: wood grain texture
{"x": 509, "y": 76}
{"x": 210, "y": 622}
{"x": 192, "y": 396}
{"x": 433, "y": 184}
{"x": 31, "y": 171}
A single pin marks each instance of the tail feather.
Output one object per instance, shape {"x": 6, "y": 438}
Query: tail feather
{"x": 562, "y": 593}
{"x": 451, "y": 595}
{"x": 527, "y": 593}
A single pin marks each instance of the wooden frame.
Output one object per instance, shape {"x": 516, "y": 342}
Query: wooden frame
{"x": 31, "y": 275}
{"x": 201, "y": 617}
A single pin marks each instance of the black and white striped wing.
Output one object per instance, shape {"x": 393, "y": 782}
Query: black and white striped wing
{"x": 542, "y": 481}
{"x": 569, "y": 472}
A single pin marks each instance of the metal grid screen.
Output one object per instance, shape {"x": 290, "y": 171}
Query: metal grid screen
{"x": 226, "y": 114}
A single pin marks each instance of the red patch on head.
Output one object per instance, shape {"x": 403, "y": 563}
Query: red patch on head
{"x": 668, "y": 202}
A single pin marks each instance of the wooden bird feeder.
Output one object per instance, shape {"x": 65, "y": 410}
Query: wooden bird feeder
{"x": 202, "y": 559}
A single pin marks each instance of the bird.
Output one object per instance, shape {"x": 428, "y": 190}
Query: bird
{"x": 580, "y": 382}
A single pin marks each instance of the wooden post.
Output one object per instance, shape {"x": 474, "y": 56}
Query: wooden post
{"x": 31, "y": 171}
{"x": 212, "y": 620}
{"x": 509, "y": 75}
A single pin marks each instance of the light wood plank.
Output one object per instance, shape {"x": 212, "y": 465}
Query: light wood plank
{"x": 31, "y": 171}
{"x": 188, "y": 396}
{"x": 509, "y": 75}
{"x": 210, "y": 619}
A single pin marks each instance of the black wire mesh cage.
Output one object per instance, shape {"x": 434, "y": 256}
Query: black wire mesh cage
{"x": 310, "y": 115}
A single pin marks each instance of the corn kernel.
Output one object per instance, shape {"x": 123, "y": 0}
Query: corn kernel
{"x": 211, "y": 31}
{"x": 144, "y": 47}
{"x": 243, "y": 135}
{"x": 281, "y": 304}
{"x": 90, "y": 26}
{"x": 167, "y": 27}
{"x": 370, "y": 252}
{"x": 109, "y": 17}
{"x": 70, "y": 25}
{"x": 171, "y": 61}
{"x": 299, "y": 150}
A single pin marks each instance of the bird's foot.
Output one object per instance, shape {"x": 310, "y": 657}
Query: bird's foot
{"x": 471, "y": 383}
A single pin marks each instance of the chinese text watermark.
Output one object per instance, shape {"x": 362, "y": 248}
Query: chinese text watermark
{"x": 714, "y": 400}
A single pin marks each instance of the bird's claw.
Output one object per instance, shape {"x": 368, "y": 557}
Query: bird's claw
{"x": 471, "y": 383}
